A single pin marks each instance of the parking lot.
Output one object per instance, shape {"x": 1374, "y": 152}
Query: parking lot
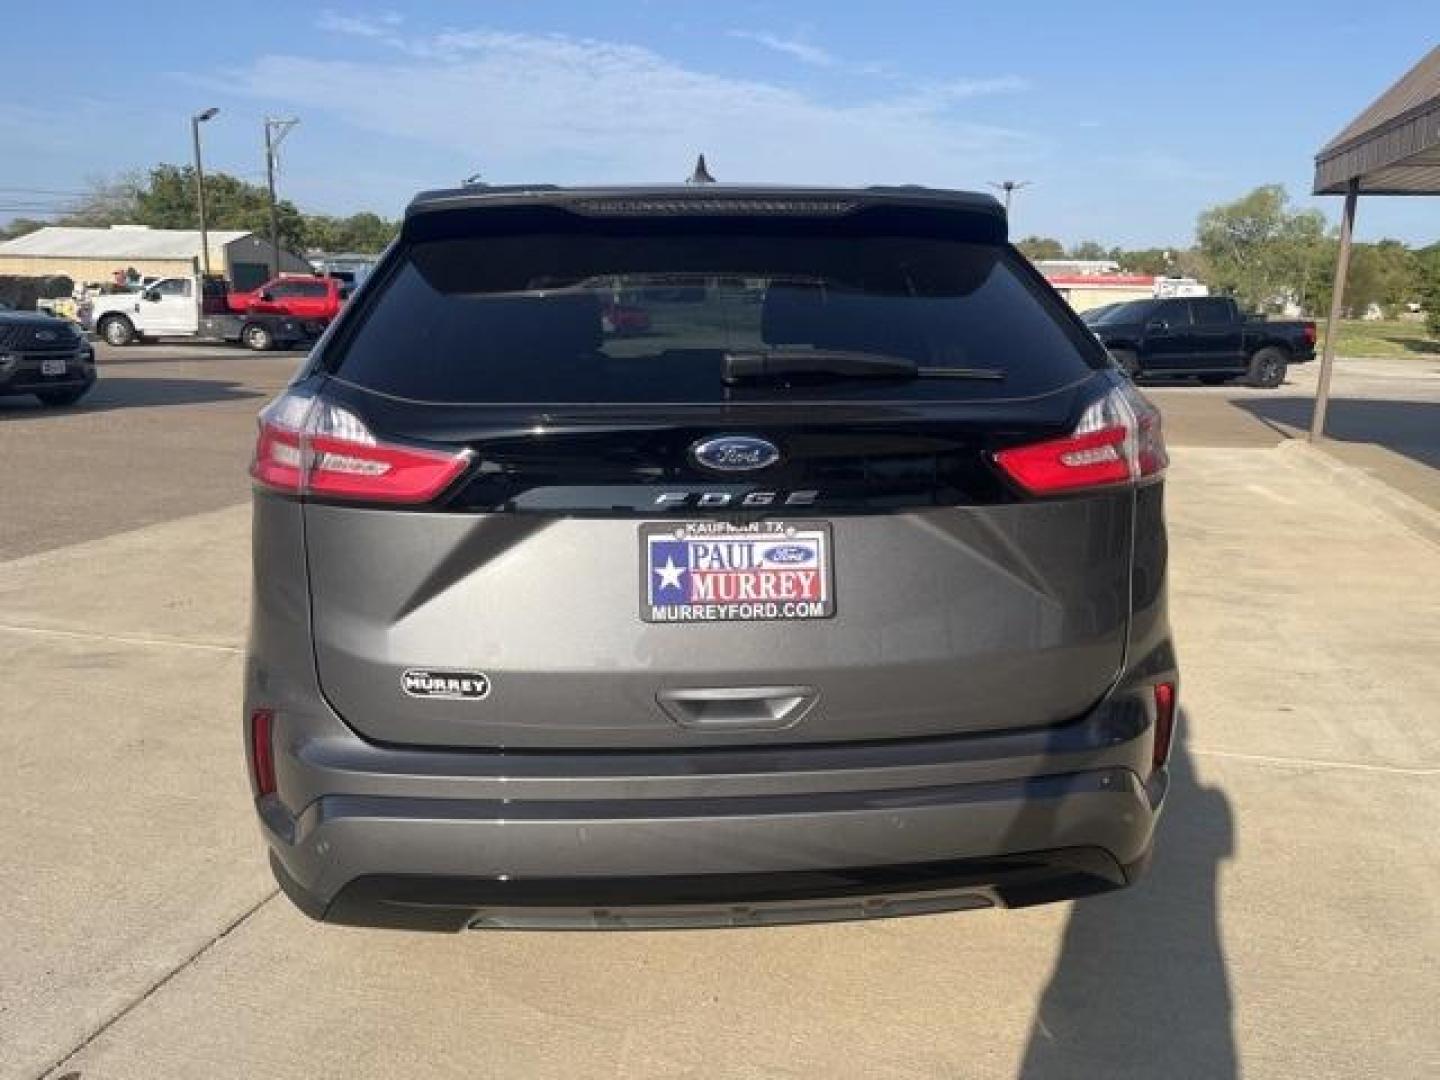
{"x": 1290, "y": 926}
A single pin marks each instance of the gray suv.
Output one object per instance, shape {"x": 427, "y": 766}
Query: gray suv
{"x": 705, "y": 556}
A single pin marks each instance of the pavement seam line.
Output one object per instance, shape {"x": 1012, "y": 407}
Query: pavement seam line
{"x": 1314, "y": 763}
{"x": 69, "y": 1055}
{"x": 123, "y": 639}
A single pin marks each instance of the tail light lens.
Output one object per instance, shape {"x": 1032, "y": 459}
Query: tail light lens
{"x": 1308, "y": 333}
{"x": 262, "y": 751}
{"x": 1164, "y": 722}
{"x": 1117, "y": 441}
{"x": 309, "y": 446}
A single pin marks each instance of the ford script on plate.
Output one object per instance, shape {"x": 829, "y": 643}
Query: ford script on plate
{"x": 710, "y": 571}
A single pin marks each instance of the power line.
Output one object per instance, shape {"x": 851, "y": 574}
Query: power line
{"x": 40, "y": 208}
{"x": 8, "y": 188}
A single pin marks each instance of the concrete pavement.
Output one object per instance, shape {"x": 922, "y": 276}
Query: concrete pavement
{"x": 1384, "y": 418}
{"x": 157, "y": 438}
{"x": 1290, "y": 926}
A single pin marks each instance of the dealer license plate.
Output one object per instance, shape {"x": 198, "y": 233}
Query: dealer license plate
{"x": 709, "y": 571}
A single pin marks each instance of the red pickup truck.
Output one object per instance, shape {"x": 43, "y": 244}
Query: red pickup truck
{"x": 300, "y": 297}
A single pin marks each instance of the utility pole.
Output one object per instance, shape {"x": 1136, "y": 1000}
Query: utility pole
{"x": 1009, "y": 187}
{"x": 275, "y": 131}
{"x": 195, "y": 122}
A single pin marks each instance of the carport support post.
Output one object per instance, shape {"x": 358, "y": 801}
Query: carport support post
{"x": 1337, "y": 299}
{"x": 274, "y": 214}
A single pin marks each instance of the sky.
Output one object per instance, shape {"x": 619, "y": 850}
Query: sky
{"x": 1125, "y": 119}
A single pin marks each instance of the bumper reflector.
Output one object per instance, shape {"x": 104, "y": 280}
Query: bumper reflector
{"x": 262, "y": 754}
{"x": 1164, "y": 721}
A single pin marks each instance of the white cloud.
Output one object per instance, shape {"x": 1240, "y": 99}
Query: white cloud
{"x": 551, "y": 107}
{"x": 800, "y": 50}
{"x": 957, "y": 89}
{"x": 383, "y": 28}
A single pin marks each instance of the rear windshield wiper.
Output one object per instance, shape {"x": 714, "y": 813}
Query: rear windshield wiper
{"x": 766, "y": 365}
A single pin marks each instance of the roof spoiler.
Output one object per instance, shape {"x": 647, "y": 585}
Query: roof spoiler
{"x": 983, "y": 217}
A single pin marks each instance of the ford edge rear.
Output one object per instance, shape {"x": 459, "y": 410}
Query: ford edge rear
{"x": 833, "y": 587}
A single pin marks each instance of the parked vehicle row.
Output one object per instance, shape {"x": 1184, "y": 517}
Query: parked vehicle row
{"x": 285, "y": 312}
{"x": 1208, "y": 337}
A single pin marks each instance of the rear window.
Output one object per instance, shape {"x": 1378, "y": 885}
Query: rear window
{"x": 1134, "y": 311}
{"x": 561, "y": 317}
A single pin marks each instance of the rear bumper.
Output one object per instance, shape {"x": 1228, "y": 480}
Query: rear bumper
{"x": 716, "y": 900}
{"x": 446, "y": 840}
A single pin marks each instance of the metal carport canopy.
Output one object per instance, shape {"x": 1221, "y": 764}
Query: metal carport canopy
{"x": 1392, "y": 148}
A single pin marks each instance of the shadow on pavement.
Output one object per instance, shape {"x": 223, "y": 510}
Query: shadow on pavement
{"x": 1411, "y": 428}
{"x": 109, "y": 395}
{"x": 1140, "y": 986}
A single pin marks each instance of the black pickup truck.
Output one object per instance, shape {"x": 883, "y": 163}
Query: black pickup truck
{"x": 1205, "y": 336}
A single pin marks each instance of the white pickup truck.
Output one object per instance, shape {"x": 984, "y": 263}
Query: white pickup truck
{"x": 174, "y": 308}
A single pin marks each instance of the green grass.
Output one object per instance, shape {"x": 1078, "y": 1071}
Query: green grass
{"x": 1385, "y": 339}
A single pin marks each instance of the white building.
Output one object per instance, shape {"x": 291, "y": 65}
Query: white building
{"x": 97, "y": 256}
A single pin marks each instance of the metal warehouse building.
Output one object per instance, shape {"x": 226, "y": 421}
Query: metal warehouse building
{"x": 96, "y": 255}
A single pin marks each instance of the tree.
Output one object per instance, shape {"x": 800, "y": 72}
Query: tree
{"x": 1089, "y": 249}
{"x": 1260, "y": 250}
{"x": 164, "y": 198}
{"x": 1427, "y": 284}
{"x": 1156, "y": 261}
{"x": 167, "y": 201}
{"x": 1041, "y": 247}
{"x": 363, "y": 232}
{"x": 19, "y": 226}
{"x": 109, "y": 201}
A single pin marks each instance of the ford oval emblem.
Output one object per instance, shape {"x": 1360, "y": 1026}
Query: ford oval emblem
{"x": 735, "y": 453}
{"x": 788, "y": 554}
{"x": 45, "y": 335}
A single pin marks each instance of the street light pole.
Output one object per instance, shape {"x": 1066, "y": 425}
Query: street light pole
{"x": 275, "y": 132}
{"x": 195, "y": 122}
{"x": 1009, "y": 187}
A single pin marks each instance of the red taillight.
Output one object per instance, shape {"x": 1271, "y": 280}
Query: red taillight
{"x": 1093, "y": 459}
{"x": 1307, "y": 331}
{"x": 378, "y": 472}
{"x": 277, "y": 458}
{"x": 312, "y": 447}
{"x": 1164, "y": 722}
{"x": 262, "y": 751}
{"x": 1117, "y": 441}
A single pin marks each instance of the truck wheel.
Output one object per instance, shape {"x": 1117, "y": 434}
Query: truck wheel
{"x": 1267, "y": 368}
{"x": 256, "y": 336}
{"x": 116, "y": 330}
{"x": 1127, "y": 361}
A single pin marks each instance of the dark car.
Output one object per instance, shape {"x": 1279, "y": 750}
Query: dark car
{"x": 845, "y": 603}
{"x": 45, "y": 356}
{"x": 1208, "y": 337}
